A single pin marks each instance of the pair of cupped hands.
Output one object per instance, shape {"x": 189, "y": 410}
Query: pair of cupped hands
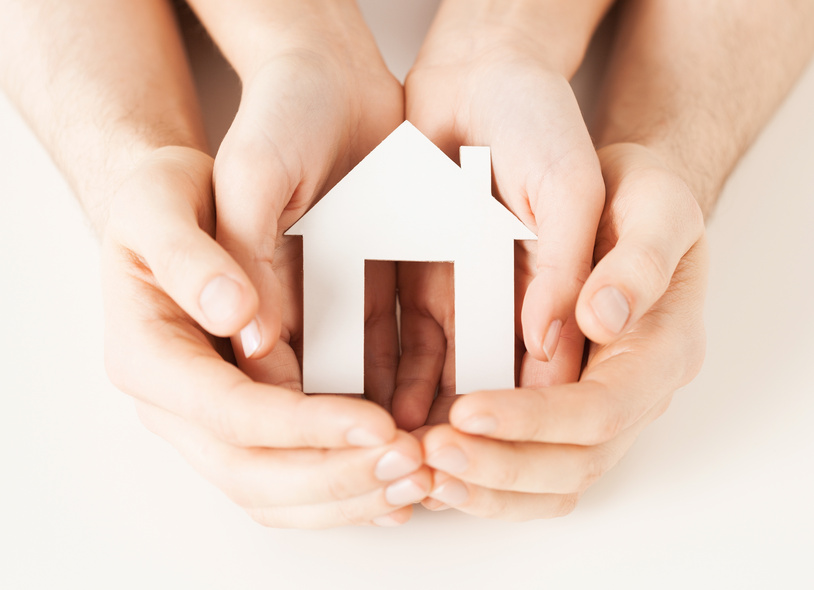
{"x": 620, "y": 258}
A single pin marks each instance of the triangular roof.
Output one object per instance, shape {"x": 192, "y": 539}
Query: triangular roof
{"x": 408, "y": 183}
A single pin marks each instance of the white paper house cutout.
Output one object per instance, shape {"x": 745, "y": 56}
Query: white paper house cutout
{"x": 407, "y": 201}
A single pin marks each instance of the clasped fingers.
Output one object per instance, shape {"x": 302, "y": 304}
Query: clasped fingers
{"x": 304, "y": 488}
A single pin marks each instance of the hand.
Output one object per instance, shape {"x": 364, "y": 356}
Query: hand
{"x": 480, "y": 83}
{"x": 307, "y": 115}
{"x": 290, "y": 460}
{"x": 532, "y": 452}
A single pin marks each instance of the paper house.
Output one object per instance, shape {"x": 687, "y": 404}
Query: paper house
{"x": 407, "y": 201}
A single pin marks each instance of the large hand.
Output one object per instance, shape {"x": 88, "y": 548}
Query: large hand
{"x": 307, "y": 115}
{"x": 531, "y": 452}
{"x": 476, "y": 84}
{"x": 291, "y": 460}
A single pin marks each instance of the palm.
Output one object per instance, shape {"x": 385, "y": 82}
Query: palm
{"x": 303, "y": 123}
{"x": 543, "y": 164}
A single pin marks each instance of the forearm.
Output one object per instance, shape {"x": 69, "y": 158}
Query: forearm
{"x": 553, "y": 32}
{"x": 250, "y": 32}
{"x": 102, "y": 84}
{"x": 696, "y": 80}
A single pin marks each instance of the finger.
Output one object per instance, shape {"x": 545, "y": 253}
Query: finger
{"x": 381, "y": 332}
{"x": 434, "y": 505}
{"x": 620, "y": 384}
{"x": 529, "y": 467}
{"x": 566, "y": 195}
{"x": 376, "y": 507}
{"x": 259, "y": 477}
{"x": 563, "y": 368}
{"x": 249, "y": 202}
{"x": 159, "y": 218}
{"x": 498, "y": 504}
{"x": 154, "y": 353}
{"x": 657, "y": 221}
{"x": 425, "y": 294}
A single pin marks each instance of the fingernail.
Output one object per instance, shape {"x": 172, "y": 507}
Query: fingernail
{"x": 404, "y": 492}
{"x": 449, "y": 459}
{"x": 386, "y": 520}
{"x": 361, "y": 437}
{"x": 394, "y": 465}
{"x": 552, "y": 338}
{"x": 481, "y": 425}
{"x": 434, "y": 505}
{"x": 451, "y": 493}
{"x": 611, "y": 308}
{"x": 250, "y": 338}
{"x": 220, "y": 298}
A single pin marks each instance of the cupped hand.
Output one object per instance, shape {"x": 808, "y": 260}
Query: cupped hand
{"x": 479, "y": 82}
{"x": 308, "y": 113}
{"x": 531, "y": 452}
{"x": 289, "y": 459}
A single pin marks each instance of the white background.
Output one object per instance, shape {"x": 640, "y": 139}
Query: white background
{"x": 717, "y": 493}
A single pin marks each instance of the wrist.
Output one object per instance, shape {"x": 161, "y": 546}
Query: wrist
{"x": 703, "y": 177}
{"x": 256, "y": 32}
{"x": 97, "y": 194}
{"x": 553, "y": 34}
{"x": 655, "y": 156}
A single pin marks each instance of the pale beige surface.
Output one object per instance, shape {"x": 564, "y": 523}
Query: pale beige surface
{"x": 717, "y": 493}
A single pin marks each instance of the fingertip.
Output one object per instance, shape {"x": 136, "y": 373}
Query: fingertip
{"x": 374, "y": 428}
{"x": 395, "y": 518}
{"x": 436, "y": 438}
{"x": 259, "y": 336}
{"x": 604, "y": 312}
{"x": 468, "y": 415}
{"x": 409, "y": 414}
{"x": 434, "y": 505}
{"x": 534, "y": 320}
{"x": 250, "y": 339}
{"x": 227, "y": 304}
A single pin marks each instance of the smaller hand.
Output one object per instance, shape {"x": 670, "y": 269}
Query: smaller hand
{"x": 289, "y": 459}
{"x": 308, "y": 114}
{"x": 501, "y": 93}
{"x": 532, "y": 452}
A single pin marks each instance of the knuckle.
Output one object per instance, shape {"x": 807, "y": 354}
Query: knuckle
{"x": 305, "y": 417}
{"x": 340, "y": 486}
{"x": 228, "y": 420}
{"x": 506, "y": 477}
{"x": 651, "y": 270}
{"x": 263, "y": 516}
{"x": 607, "y": 418}
{"x": 566, "y": 505}
{"x": 176, "y": 255}
{"x": 497, "y": 505}
{"x": 594, "y": 466}
{"x": 353, "y": 513}
{"x": 224, "y": 424}
{"x": 610, "y": 426}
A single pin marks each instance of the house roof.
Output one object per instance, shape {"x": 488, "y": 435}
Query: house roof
{"x": 408, "y": 189}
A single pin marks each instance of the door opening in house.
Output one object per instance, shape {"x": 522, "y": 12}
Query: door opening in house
{"x": 409, "y": 317}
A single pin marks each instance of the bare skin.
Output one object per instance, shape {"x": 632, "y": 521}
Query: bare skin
{"x": 124, "y": 125}
{"x": 316, "y": 99}
{"x": 677, "y": 112}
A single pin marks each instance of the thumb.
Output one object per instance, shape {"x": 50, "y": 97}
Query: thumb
{"x": 650, "y": 221}
{"x": 158, "y": 214}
